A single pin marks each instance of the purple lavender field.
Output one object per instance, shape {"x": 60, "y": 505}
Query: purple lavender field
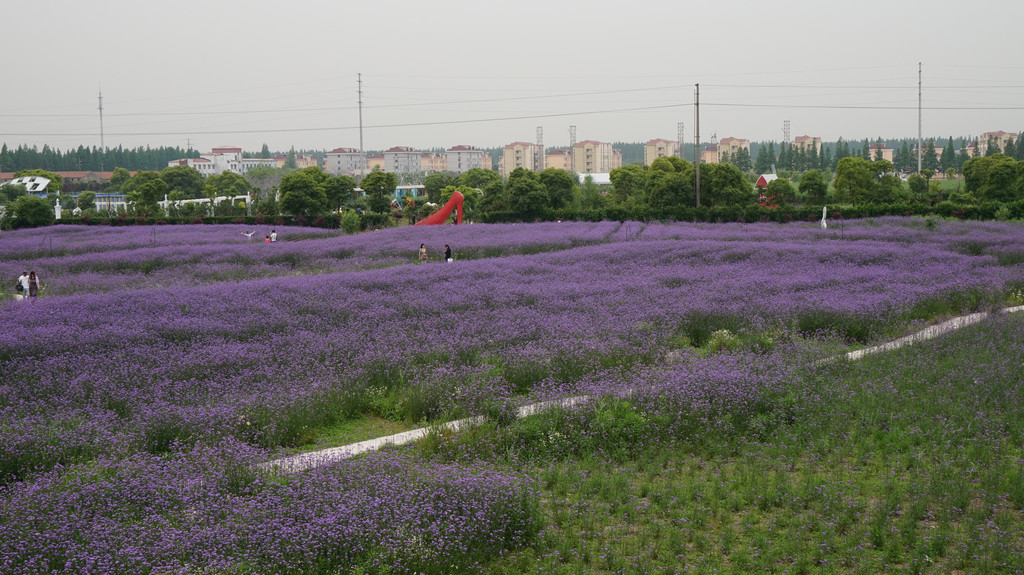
{"x": 160, "y": 364}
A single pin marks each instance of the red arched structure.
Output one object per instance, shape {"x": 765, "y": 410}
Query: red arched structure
{"x": 441, "y": 215}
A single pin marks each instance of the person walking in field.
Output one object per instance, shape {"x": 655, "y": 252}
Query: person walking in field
{"x": 22, "y": 286}
{"x": 33, "y": 285}
{"x": 447, "y": 253}
{"x": 273, "y": 235}
{"x": 423, "y": 252}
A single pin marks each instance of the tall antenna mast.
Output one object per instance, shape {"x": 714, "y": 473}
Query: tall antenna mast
{"x": 919, "y": 117}
{"x": 103, "y": 146}
{"x": 785, "y": 132}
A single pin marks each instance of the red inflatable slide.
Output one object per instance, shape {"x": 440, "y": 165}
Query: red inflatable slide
{"x": 441, "y": 215}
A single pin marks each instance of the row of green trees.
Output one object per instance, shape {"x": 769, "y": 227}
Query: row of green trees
{"x": 935, "y": 156}
{"x": 669, "y": 183}
{"x": 89, "y": 159}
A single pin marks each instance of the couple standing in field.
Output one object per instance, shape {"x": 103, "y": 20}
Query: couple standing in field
{"x": 447, "y": 253}
{"x": 27, "y": 286}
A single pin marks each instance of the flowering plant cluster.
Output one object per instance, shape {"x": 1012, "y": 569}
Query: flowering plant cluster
{"x": 181, "y": 350}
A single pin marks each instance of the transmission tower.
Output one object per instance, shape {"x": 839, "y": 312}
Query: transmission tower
{"x": 679, "y": 139}
{"x": 785, "y": 132}
{"x": 572, "y": 148}
{"x": 538, "y": 160}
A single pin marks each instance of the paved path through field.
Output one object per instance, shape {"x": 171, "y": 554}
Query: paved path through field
{"x": 312, "y": 459}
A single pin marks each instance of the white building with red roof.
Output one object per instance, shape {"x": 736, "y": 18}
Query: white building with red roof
{"x": 402, "y": 160}
{"x": 461, "y": 159}
{"x": 223, "y": 159}
{"x": 348, "y": 161}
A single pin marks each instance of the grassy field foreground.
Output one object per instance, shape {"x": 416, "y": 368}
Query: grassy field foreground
{"x": 905, "y": 462}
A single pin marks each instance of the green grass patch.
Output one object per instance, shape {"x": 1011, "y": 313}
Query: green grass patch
{"x": 903, "y": 462}
{"x": 361, "y": 428}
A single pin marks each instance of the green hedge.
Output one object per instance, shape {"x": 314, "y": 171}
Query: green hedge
{"x": 332, "y": 221}
{"x": 722, "y": 214}
{"x": 780, "y": 214}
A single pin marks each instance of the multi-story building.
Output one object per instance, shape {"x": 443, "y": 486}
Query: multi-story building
{"x": 223, "y": 159}
{"x": 302, "y": 161}
{"x": 1001, "y": 138}
{"x": 558, "y": 159}
{"x": 593, "y": 157}
{"x": 431, "y": 162}
{"x": 520, "y": 155}
{"x": 709, "y": 155}
{"x": 808, "y": 143}
{"x": 880, "y": 150}
{"x": 402, "y": 160}
{"x": 349, "y": 161}
{"x": 659, "y": 148}
{"x": 729, "y": 147}
{"x": 461, "y": 159}
{"x": 375, "y": 162}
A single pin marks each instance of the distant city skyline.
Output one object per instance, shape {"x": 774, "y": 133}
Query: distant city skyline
{"x": 453, "y": 72}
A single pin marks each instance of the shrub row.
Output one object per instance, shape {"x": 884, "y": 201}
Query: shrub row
{"x": 746, "y": 214}
{"x": 781, "y": 214}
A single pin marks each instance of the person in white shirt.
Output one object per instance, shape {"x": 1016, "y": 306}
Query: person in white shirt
{"x": 23, "y": 284}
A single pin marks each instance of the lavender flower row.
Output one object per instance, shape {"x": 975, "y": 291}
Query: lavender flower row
{"x": 206, "y": 510}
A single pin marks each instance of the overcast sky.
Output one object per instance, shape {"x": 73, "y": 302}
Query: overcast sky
{"x": 447, "y": 72}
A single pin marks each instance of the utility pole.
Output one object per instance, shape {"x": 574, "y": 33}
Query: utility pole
{"x": 103, "y": 146}
{"x": 919, "y": 117}
{"x": 696, "y": 138}
{"x": 362, "y": 153}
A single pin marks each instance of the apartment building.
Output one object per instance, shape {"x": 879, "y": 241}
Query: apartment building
{"x": 808, "y": 143}
{"x": 375, "y": 162}
{"x": 348, "y": 161}
{"x": 593, "y": 157}
{"x": 461, "y": 159}
{"x": 709, "y": 155}
{"x": 558, "y": 159}
{"x": 302, "y": 161}
{"x": 659, "y": 148}
{"x": 431, "y": 162}
{"x": 732, "y": 146}
{"x": 520, "y": 155}
{"x": 403, "y": 160}
{"x": 874, "y": 150}
{"x": 1001, "y": 138}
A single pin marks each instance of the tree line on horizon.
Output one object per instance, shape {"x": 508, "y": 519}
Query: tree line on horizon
{"x": 759, "y": 159}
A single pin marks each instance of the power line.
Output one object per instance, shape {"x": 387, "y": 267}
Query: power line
{"x": 337, "y": 108}
{"x": 530, "y": 117}
{"x": 825, "y": 107}
{"x": 401, "y": 125}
